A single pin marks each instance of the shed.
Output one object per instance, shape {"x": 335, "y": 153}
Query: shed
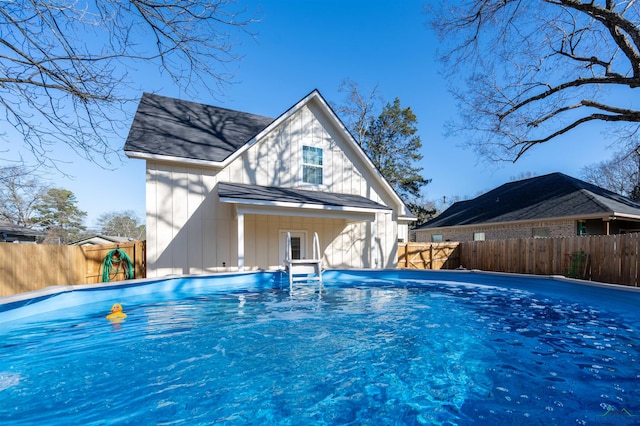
{"x": 225, "y": 187}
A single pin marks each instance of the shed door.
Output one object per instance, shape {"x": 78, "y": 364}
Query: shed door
{"x": 298, "y": 245}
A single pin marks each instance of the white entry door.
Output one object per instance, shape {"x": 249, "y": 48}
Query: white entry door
{"x": 298, "y": 245}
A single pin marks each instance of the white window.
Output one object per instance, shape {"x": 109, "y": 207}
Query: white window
{"x": 436, "y": 238}
{"x": 540, "y": 232}
{"x": 478, "y": 236}
{"x": 312, "y": 165}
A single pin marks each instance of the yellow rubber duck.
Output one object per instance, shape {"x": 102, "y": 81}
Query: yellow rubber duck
{"x": 116, "y": 313}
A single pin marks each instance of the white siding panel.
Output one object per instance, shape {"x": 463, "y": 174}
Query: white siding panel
{"x": 250, "y": 241}
{"x": 262, "y": 238}
{"x": 195, "y": 197}
{"x": 164, "y": 225}
{"x": 180, "y": 244}
{"x": 209, "y": 229}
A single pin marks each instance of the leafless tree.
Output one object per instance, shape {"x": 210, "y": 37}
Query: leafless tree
{"x": 121, "y": 224}
{"x": 358, "y": 108}
{"x": 620, "y": 174}
{"x": 66, "y": 66}
{"x": 20, "y": 192}
{"x": 538, "y": 69}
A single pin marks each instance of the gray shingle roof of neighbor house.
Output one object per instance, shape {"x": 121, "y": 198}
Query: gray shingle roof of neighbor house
{"x": 176, "y": 128}
{"x": 544, "y": 197}
{"x": 299, "y": 196}
{"x": 13, "y": 229}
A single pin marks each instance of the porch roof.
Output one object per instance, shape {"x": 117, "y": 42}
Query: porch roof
{"x": 291, "y": 197}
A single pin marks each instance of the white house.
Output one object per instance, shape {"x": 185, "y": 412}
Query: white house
{"x": 224, "y": 187}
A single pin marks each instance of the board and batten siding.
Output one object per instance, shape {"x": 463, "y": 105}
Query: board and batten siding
{"x": 190, "y": 232}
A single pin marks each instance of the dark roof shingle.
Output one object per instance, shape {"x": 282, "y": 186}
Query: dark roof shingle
{"x": 544, "y": 197}
{"x": 13, "y": 229}
{"x": 172, "y": 127}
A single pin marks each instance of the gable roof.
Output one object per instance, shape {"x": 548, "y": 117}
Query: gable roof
{"x": 168, "y": 127}
{"x": 545, "y": 197}
{"x": 256, "y": 194}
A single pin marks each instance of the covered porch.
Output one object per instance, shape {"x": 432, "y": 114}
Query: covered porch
{"x": 347, "y": 225}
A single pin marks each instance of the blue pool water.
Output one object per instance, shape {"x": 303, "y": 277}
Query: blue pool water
{"x": 375, "y": 348}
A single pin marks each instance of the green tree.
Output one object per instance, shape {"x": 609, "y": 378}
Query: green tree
{"x": 423, "y": 210}
{"x": 20, "y": 192}
{"x": 57, "y": 213}
{"x": 122, "y": 224}
{"x": 389, "y": 139}
{"x": 526, "y": 72}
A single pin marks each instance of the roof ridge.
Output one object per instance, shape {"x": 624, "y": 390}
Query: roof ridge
{"x": 184, "y": 101}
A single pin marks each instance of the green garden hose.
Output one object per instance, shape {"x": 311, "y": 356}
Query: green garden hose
{"x": 108, "y": 265}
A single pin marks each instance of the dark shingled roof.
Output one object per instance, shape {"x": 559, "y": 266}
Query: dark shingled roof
{"x": 176, "y": 128}
{"x": 12, "y": 229}
{"x": 544, "y": 197}
{"x": 298, "y": 196}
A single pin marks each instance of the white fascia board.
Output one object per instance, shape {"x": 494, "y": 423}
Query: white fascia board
{"x": 172, "y": 159}
{"x": 350, "y": 217}
{"x": 407, "y": 218}
{"x": 307, "y": 206}
{"x": 615, "y": 216}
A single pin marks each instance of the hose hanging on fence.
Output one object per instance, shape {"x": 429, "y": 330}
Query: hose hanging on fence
{"x": 122, "y": 260}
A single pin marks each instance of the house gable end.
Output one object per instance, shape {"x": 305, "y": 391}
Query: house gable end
{"x": 272, "y": 158}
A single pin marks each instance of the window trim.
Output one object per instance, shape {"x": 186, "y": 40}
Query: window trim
{"x": 315, "y": 166}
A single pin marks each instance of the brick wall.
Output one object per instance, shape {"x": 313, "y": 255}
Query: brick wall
{"x": 557, "y": 228}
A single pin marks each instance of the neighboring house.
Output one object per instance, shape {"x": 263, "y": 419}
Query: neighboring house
{"x": 224, "y": 187}
{"x": 554, "y": 205}
{"x": 99, "y": 240}
{"x": 11, "y": 233}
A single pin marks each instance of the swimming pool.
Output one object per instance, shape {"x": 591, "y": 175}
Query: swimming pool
{"x": 375, "y": 347}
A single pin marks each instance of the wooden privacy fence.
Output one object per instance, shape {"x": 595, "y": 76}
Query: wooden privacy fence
{"x": 28, "y": 267}
{"x": 428, "y": 255}
{"x": 610, "y": 259}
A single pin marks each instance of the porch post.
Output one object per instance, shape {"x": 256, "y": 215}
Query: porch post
{"x": 240, "y": 241}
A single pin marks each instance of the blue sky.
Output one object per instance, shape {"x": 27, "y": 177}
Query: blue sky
{"x": 316, "y": 44}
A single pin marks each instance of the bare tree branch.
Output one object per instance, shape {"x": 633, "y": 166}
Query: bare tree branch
{"x": 531, "y": 65}
{"x": 65, "y": 67}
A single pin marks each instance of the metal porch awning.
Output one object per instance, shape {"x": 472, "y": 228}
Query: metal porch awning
{"x": 257, "y": 199}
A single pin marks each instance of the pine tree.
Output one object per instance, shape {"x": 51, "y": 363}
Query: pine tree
{"x": 58, "y": 215}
